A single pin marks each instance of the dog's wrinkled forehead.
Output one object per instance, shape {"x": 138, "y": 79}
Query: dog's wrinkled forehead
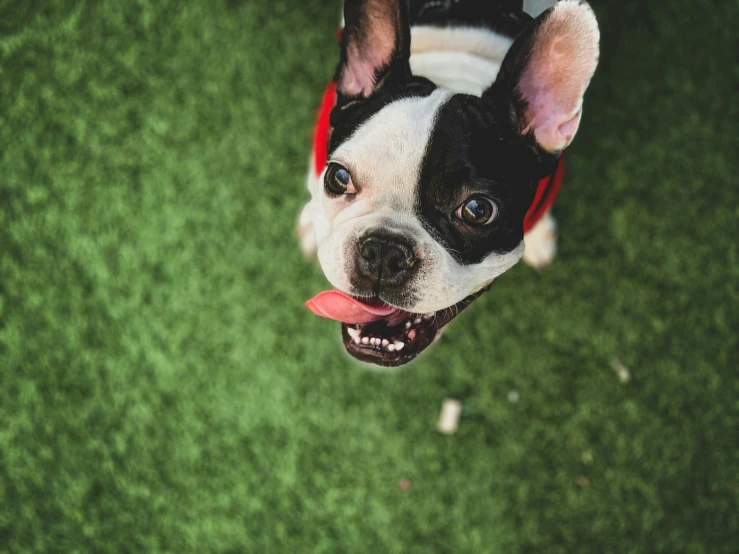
{"x": 351, "y": 113}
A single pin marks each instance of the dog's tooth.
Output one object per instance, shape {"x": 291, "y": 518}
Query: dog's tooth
{"x": 354, "y": 333}
{"x": 385, "y": 342}
{"x": 417, "y": 321}
{"x": 398, "y": 345}
{"x": 407, "y": 324}
{"x": 391, "y": 347}
{"x": 429, "y": 315}
{"x": 365, "y": 340}
{"x": 375, "y": 341}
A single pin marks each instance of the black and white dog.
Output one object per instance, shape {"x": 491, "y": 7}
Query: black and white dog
{"x": 442, "y": 127}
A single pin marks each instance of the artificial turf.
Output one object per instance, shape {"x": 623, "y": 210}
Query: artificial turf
{"x": 162, "y": 388}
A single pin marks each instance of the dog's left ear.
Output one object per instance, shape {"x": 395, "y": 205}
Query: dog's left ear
{"x": 544, "y": 75}
{"x": 375, "y": 45}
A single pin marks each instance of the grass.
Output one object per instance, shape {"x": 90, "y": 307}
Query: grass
{"x": 162, "y": 389}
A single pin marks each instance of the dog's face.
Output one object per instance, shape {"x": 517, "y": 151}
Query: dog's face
{"x": 422, "y": 201}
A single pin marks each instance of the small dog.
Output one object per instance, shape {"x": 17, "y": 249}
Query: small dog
{"x": 431, "y": 175}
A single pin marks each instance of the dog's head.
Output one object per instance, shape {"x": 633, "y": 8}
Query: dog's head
{"x": 422, "y": 201}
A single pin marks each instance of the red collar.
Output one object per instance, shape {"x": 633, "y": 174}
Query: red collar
{"x": 546, "y": 191}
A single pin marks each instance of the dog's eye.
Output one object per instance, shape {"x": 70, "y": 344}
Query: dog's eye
{"x": 478, "y": 210}
{"x": 338, "y": 180}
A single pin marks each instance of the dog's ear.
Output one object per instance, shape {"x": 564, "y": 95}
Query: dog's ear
{"x": 544, "y": 75}
{"x": 375, "y": 45}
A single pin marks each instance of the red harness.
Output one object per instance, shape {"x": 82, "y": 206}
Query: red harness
{"x": 546, "y": 191}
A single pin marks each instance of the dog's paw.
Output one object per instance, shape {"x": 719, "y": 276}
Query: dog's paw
{"x": 541, "y": 243}
{"x": 305, "y": 233}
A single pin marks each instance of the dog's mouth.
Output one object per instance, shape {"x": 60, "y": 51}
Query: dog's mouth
{"x": 381, "y": 334}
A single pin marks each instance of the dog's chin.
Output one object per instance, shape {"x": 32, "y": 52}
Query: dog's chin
{"x": 392, "y": 343}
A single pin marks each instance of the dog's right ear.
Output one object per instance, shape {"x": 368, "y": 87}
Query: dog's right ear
{"x": 375, "y": 45}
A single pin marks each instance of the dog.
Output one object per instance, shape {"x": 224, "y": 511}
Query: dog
{"x": 445, "y": 121}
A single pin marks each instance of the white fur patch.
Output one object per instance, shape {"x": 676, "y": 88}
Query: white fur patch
{"x": 384, "y": 157}
{"x": 460, "y": 59}
{"x": 474, "y": 41}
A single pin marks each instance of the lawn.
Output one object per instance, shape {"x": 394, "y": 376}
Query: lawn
{"x": 163, "y": 389}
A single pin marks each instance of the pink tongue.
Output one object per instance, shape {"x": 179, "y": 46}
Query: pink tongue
{"x": 334, "y": 304}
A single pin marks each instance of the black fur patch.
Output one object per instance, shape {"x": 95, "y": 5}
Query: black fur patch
{"x": 473, "y": 150}
{"x": 502, "y": 16}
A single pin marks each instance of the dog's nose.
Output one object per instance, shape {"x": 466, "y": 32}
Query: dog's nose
{"x": 386, "y": 259}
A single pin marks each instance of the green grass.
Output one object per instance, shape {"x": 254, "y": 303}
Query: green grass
{"x": 162, "y": 389}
